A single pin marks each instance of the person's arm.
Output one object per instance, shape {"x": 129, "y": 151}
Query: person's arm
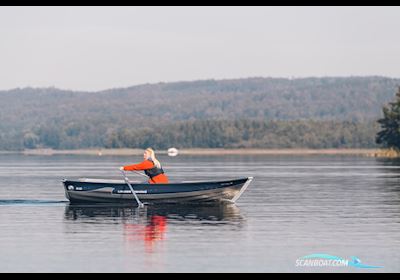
{"x": 141, "y": 166}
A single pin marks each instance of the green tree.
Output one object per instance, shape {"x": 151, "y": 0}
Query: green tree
{"x": 30, "y": 140}
{"x": 389, "y": 136}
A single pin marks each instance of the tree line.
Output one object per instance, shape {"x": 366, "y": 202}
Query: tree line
{"x": 202, "y": 134}
{"x": 255, "y": 112}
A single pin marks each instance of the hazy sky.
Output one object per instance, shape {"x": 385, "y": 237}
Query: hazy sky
{"x": 92, "y": 48}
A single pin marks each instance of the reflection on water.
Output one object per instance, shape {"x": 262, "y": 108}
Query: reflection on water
{"x": 152, "y": 231}
{"x": 391, "y": 187}
{"x": 217, "y": 213}
{"x": 150, "y": 224}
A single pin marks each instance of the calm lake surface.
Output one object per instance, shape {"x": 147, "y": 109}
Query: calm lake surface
{"x": 295, "y": 206}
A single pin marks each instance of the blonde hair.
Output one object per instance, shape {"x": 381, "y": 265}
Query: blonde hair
{"x": 153, "y": 157}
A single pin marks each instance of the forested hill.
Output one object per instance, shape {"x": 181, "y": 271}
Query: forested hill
{"x": 47, "y": 117}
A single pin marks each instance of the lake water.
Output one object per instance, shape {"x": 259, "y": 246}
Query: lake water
{"x": 296, "y": 206}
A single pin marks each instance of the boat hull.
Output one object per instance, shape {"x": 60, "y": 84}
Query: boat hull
{"x": 109, "y": 191}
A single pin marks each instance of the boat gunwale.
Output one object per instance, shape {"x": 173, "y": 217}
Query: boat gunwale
{"x": 122, "y": 182}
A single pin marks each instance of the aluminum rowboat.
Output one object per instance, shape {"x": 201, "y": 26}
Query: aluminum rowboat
{"x": 117, "y": 191}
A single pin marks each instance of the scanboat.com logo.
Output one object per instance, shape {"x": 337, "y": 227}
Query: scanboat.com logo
{"x": 323, "y": 260}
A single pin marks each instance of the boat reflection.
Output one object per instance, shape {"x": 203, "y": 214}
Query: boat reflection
{"x": 150, "y": 224}
{"x": 217, "y": 213}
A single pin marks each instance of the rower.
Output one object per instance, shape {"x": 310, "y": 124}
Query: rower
{"x": 151, "y": 167}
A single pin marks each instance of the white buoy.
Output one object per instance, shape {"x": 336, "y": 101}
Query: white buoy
{"x": 173, "y": 152}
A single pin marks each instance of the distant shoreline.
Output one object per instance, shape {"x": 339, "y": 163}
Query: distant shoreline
{"x": 131, "y": 152}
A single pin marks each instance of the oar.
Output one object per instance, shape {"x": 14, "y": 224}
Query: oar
{"x": 141, "y": 174}
{"x": 140, "y": 204}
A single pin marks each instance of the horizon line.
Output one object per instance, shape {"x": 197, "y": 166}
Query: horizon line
{"x": 200, "y": 80}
